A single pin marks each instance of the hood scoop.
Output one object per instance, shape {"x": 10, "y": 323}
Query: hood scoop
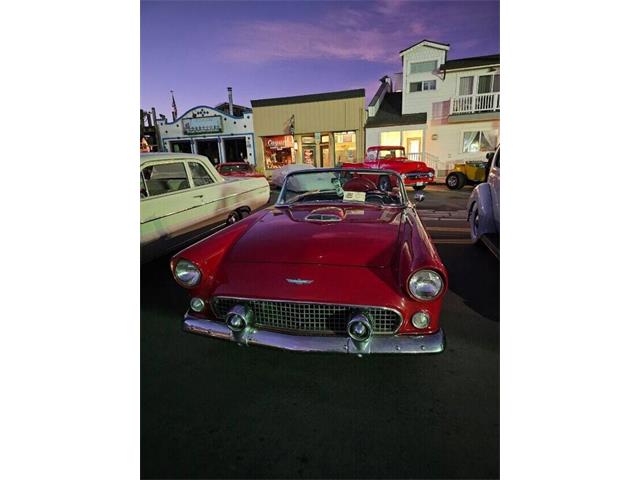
{"x": 326, "y": 214}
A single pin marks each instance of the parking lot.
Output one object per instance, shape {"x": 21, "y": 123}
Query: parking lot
{"x": 214, "y": 409}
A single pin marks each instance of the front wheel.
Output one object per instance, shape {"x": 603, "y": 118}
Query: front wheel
{"x": 456, "y": 180}
{"x": 474, "y": 223}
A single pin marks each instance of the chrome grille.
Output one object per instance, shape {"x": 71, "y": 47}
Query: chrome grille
{"x": 311, "y": 318}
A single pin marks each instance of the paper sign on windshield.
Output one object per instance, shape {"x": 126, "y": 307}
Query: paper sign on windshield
{"x": 354, "y": 196}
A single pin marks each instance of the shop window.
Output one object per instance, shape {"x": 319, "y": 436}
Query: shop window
{"x": 345, "y": 143}
{"x": 199, "y": 175}
{"x": 235, "y": 149}
{"x": 181, "y": 146}
{"x": 278, "y": 151}
{"x": 165, "y": 178}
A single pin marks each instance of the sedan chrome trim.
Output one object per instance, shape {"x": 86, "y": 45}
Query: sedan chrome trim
{"x": 432, "y": 343}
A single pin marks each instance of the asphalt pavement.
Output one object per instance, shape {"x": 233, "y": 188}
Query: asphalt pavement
{"x": 212, "y": 409}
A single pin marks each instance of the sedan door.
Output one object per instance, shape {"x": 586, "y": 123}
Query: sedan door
{"x": 210, "y": 190}
{"x": 167, "y": 203}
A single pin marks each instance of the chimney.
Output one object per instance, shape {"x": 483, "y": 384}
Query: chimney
{"x": 230, "y": 101}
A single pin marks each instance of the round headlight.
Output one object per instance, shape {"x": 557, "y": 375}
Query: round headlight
{"x": 420, "y": 319}
{"x": 186, "y": 273}
{"x": 425, "y": 284}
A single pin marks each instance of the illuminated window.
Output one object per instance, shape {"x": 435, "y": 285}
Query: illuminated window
{"x": 390, "y": 138}
{"x": 345, "y": 147}
{"x": 483, "y": 141}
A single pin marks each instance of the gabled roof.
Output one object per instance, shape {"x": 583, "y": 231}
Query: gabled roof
{"x": 471, "y": 62}
{"x": 428, "y": 43}
{"x": 390, "y": 113}
{"x": 314, "y": 97}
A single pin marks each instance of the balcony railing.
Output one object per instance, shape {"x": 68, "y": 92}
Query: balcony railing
{"x": 482, "y": 102}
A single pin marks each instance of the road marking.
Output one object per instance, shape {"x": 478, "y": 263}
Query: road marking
{"x": 448, "y": 229}
{"x": 453, "y": 241}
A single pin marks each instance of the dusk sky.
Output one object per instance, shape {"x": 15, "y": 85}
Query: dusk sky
{"x": 267, "y": 49}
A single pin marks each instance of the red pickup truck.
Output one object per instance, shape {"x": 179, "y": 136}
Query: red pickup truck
{"x": 415, "y": 174}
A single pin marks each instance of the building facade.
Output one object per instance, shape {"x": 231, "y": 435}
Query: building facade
{"x": 321, "y": 129}
{"x": 219, "y": 133}
{"x": 442, "y": 111}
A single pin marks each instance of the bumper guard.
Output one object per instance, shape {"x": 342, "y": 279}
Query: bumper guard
{"x": 432, "y": 343}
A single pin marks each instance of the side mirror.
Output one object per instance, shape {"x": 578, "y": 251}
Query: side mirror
{"x": 419, "y": 197}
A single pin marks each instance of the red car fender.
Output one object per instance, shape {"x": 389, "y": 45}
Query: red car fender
{"x": 417, "y": 252}
{"x": 209, "y": 253}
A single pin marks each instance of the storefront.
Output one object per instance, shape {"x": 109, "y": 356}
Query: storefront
{"x": 322, "y": 130}
{"x": 278, "y": 151}
{"x": 212, "y": 132}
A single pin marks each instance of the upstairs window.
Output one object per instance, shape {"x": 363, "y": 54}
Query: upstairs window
{"x": 488, "y": 83}
{"x": 422, "y": 86}
{"x": 423, "y": 67}
{"x": 466, "y": 86}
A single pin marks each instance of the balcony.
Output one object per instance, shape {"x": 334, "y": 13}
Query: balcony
{"x": 477, "y": 103}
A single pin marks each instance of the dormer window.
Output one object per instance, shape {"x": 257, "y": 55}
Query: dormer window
{"x": 423, "y": 67}
{"x": 422, "y": 86}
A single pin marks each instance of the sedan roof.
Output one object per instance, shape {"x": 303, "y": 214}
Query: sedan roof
{"x": 150, "y": 157}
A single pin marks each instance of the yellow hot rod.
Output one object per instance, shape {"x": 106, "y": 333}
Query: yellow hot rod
{"x": 471, "y": 173}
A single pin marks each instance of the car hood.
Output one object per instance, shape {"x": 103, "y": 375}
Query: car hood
{"x": 407, "y": 166}
{"x": 311, "y": 234}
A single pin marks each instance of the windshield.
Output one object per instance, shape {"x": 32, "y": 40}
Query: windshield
{"x": 390, "y": 153}
{"x": 235, "y": 168}
{"x": 354, "y": 186}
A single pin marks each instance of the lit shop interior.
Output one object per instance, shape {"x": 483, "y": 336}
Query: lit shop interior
{"x": 317, "y": 149}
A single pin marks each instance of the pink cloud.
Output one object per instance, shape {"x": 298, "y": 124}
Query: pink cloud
{"x": 375, "y": 34}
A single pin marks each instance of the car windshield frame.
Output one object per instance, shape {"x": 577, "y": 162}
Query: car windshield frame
{"x": 404, "y": 198}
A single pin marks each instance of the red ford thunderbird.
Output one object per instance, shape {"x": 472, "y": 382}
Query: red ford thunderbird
{"x": 341, "y": 263}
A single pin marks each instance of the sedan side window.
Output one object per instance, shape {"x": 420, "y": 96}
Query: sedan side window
{"x": 199, "y": 174}
{"x": 165, "y": 178}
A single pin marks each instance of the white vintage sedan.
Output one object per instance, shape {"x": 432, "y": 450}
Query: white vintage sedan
{"x": 183, "y": 198}
{"x": 483, "y": 206}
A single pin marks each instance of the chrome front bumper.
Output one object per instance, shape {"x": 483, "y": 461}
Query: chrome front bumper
{"x": 433, "y": 343}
